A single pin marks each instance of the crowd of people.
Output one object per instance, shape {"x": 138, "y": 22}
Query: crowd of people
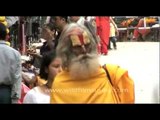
{"x": 67, "y": 69}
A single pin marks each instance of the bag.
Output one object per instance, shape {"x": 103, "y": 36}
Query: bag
{"x": 121, "y": 82}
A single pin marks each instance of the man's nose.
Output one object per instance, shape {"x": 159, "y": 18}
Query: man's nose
{"x": 60, "y": 69}
{"x": 84, "y": 50}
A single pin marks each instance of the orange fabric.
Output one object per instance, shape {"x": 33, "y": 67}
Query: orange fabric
{"x": 97, "y": 89}
{"x": 150, "y": 20}
{"x": 40, "y": 81}
{"x": 122, "y": 83}
{"x": 126, "y": 23}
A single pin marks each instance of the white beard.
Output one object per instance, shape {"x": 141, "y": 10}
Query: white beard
{"x": 83, "y": 66}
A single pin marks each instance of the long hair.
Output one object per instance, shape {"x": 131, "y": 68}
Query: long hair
{"x": 48, "y": 57}
{"x": 64, "y": 46}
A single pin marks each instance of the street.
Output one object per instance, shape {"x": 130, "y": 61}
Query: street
{"x": 141, "y": 59}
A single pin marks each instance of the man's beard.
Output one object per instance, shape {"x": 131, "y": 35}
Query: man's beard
{"x": 83, "y": 66}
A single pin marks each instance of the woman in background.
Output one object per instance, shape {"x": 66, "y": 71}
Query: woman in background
{"x": 50, "y": 67}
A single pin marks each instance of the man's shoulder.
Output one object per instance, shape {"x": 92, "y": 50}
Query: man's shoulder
{"x": 14, "y": 51}
{"x": 62, "y": 77}
{"x": 63, "y": 73}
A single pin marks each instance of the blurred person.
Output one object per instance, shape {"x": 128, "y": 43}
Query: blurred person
{"x": 10, "y": 72}
{"x": 77, "y": 19}
{"x": 50, "y": 67}
{"x": 140, "y": 34}
{"x": 60, "y": 22}
{"x": 113, "y": 34}
{"x": 103, "y": 31}
{"x": 83, "y": 80}
{"x": 48, "y": 34}
{"x": 24, "y": 88}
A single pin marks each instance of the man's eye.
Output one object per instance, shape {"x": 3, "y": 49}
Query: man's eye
{"x": 56, "y": 66}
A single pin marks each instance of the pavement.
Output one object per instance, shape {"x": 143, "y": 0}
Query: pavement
{"x": 141, "y": 59}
